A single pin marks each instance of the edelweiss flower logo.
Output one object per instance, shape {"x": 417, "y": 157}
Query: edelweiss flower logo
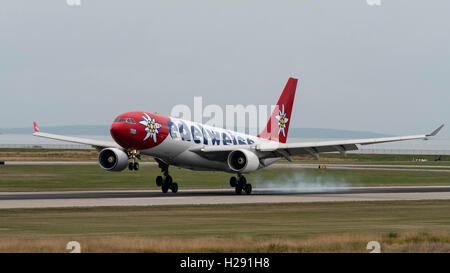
{"x": 282, "y": 120}
{"x": 151, "y": 127}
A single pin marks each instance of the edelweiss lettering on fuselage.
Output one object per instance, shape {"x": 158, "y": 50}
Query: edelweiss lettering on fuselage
{"x": 201, "y": 134}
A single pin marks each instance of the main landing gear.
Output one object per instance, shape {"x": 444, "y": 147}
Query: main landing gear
{"x": 240, "y": 184}
{"x": 133, "y": 155}
{"x": 165, "y": 182}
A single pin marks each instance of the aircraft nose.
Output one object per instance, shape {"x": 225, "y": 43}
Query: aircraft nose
{"x": 115, "y": 129}
{"x": 118, "y": 132}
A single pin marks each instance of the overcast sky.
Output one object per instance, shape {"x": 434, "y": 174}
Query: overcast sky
{"x": 383, "y": 69}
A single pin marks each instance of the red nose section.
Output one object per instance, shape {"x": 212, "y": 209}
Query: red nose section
{"x": 139, "y": 130}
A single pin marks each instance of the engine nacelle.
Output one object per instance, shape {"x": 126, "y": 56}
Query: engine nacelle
{"x": 113, "y": 159}
{"x": 243, "y": 161}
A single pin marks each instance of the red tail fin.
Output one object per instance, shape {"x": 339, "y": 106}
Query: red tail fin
{"x": 35, "y": 127}
{"x": 278, "y": 125}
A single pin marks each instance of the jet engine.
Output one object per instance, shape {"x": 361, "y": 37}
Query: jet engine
{"x": 243, "y": 161}
{"x": 113, "y": 159}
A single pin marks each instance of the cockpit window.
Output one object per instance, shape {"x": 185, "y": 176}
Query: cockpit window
{"x": 128, "y": 120}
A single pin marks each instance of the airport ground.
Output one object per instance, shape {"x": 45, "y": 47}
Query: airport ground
{"x": 353, "y": 170}
{"x": 92, "y": 177}
{"x": 399, "y": 226}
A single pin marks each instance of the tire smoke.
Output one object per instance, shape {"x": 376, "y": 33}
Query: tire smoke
{"x": 299, "y": 182}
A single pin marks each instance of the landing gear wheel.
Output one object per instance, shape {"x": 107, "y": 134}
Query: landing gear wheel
{"x": 133, "y": 155}
{"x": 168, "y": 180}
{"x": 165, "y": 187}
{"x": 233, "y": 181}
{"x": 166, "y": 183}
{"x": 159, "y": 181}
{"x": 174, "y": 187}
{"x": 242, "y": 180}
{"x": 238, "y": 189}
{"x": 248, "y": 188}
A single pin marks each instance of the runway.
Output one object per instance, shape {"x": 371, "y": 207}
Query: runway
{"x": 217, "y": 196}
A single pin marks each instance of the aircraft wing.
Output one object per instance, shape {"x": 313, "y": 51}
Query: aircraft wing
{"x": 98, "y": 144}
{"x": 275, "y": 149}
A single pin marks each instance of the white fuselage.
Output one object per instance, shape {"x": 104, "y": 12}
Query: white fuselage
{"x": 186, "y": 136}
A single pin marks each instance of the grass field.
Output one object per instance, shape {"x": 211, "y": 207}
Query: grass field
{"x": 402, "y": 226}
{"x": 92, "y": 177}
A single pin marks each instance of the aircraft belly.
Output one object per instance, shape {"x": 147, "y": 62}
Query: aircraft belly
{"x": 193, "y": 161}
{"x": 177, "y": 153}
{"x": 167, "y": 150}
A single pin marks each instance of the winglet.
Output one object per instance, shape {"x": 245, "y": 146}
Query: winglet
{"x": 435, "y": 132}
{"x": 35, "y": 127}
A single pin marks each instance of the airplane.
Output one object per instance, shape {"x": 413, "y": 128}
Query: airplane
{"x": 191, "y": 145}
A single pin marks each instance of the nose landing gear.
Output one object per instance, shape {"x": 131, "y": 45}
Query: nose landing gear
{"x": 133, "y": 166}
{"x": 240, "y": 184}
{"x": 165, "y": 182}
{"x": 133, "y": 155}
